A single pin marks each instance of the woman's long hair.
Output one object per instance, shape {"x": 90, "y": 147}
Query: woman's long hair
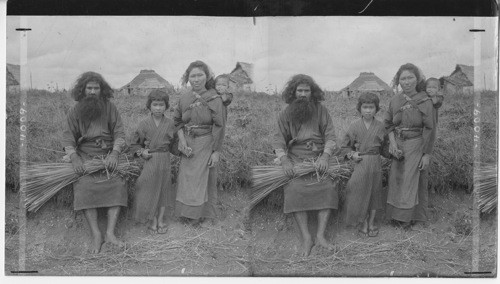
{"x": 78, "y": 91}
{"x": 413, "y": 69}
{"x": 210, "y": 84}
{"x": 290, "y": 88}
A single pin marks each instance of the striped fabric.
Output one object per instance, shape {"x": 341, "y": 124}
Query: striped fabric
{"x": 153, "y": 188}
{"x": 365, "y": 185}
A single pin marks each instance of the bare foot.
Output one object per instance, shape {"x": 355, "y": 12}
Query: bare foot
{"x": 96, "y": 244}
{"x": 324, "y": 243}
{"x": 111, "y": 238}
{"x": 306, "y": 247}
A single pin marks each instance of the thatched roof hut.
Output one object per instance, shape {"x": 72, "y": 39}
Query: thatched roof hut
{"x": 143, "y": 83}
{"x": 13, "y": 77}
{"x": 366, "y": 82}
{"x": 460, "y": 80}
{"x": 241, "y": 77}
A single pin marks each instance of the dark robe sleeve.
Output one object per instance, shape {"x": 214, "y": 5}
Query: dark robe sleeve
{"x": 116, "y": 127}
{"x": 71, "y": 132}
{"x": 347, "y": 143}
{"x": 328, "y": 131}
{"x": 384, "y": 143}
{"x": 137, "y": 139}
{"x": 218, "y": 120}
{"x": 174, "y": 141}
{"x": 178, "y": 115}
{"x": 282, "y": 135}
{"x": 427, "y": 110}
{"x": 388, "y": 117}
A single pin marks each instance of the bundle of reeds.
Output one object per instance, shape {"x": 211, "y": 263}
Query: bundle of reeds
{"x": 487, "y": 178}
{"x": 266, "y": 179}
{"x": 46, "y": 179}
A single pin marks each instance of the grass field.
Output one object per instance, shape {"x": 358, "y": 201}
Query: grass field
{"x": 248, "y": 143}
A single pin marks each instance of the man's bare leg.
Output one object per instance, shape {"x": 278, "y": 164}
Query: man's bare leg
{"x": 91, "y": 216}
{"x": 110, "y": 232}
{"x": 307, "y": 242}
{"x": 323, "y": 216}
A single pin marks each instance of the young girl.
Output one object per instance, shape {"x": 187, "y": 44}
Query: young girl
{"x": 363, "y": 143}
{"x": 154, "y": 138}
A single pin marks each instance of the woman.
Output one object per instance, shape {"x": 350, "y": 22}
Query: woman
{"x": 200, "y": 114}
{"x": 409, "y": 124}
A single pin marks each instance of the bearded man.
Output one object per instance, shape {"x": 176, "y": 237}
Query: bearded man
{"x": 306, "y": 132}
{"x": 94, "y": 129}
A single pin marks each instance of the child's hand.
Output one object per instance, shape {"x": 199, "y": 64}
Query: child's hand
{"x": 146, "y": 155}
{"x": 434, "y": 99}
{"x": 226, "y": 98}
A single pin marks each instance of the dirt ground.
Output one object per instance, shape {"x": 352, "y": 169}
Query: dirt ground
{"x": 443, "y": 247}
{"x": 57, "y": 243}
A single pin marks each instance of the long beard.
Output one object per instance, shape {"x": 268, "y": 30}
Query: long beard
{"x": 90, "y": 108}
{"x": 301, "y": 110}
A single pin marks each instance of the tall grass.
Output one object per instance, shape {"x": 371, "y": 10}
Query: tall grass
{"x": 249, "y": 134}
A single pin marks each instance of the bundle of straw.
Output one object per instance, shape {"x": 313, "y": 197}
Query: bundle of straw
{"x": 487, "y": 192}
{"x": 266, "y": 179}
{"x": 45, "y": 180}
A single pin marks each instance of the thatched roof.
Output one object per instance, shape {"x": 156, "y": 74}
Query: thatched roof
{"x": 463, "y": 76}
{"x": 368, "y": 81}
{"x": 148, "y": 79}
{"x": 13, "y": 74}
{"x": 242, "y": 73}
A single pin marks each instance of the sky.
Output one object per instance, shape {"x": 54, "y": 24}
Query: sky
{"x": 333, "y": 50}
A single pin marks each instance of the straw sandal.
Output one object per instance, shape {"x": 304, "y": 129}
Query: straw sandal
{"x": 372, "y": 232}
{"x": 162, "y": 230}
{"x": 363, "y": 233}
{"x": 151, "y": 230}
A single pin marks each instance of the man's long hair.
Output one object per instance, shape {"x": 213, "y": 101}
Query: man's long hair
{"x": 90, "y": 108}
{"x": 289, "y": 95}
{"x": 78, "y": 91}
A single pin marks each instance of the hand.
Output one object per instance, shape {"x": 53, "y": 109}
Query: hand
{"x": 323, "y": 163}
{"x": 146, "y": 155}
{"x": 356, "y": 157}
{"x": 112, "y": 160}
{"x": 287, "y": 166}
{"x": 183, "y": 148}
{"x": 214, "y": 159}
{"x": 393, "y": 149}
{"x": 424, "y": 162}
{"x": 77, "y": 163}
